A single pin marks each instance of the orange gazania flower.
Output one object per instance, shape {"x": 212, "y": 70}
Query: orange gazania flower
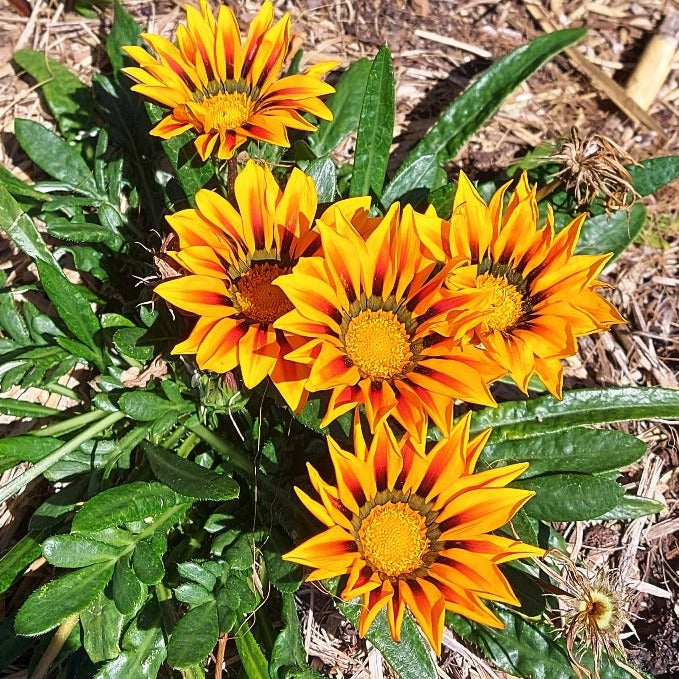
{"x": 381, "y": 327}
{"x": 543, "y": 296}
{"x": 226, "y": 91}
{"x": 414, "y": 531}
{"x": 232, "y": 260}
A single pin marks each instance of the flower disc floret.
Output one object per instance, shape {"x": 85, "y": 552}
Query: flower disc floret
{"x": 378, "y": 344}
{"x": 393, "y": 539}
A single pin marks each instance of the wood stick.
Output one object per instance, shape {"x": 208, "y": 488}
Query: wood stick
{"x": 655, "y": 63}
{"x": 599, "y": 79}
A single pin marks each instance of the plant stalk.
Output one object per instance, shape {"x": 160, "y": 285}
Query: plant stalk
{"x": 58, "y": 640}
{"x": 67, "y": 426}
{"x": 17, "y": 483}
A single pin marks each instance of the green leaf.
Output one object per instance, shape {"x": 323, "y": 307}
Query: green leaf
{"x": 524, "y": 419}
{"x": 130, "y": 342}
{"x": 576, "y": 450}
{"x": 102, "y": 625}
{"x": 414, "y": 186}
{"x": 10, "y": 406}
{"x": 14, "y": 562}
{"x": 71, "y": 305}
{"x": 145, "y": 406}
{"x": 411, "y": 658}
{"x": 147, "y": 565}
{"x": 603, "y": 234}
{"x": 466, "y": 114}
{"x": 50, "y": 605}
{"x": 129, "y": 593}
{"x": 76, "y": 551}
{"x": 324, "y": 174}
{"x": 570, "y": 497}
{"x": 21, "y": 229}
{"x": 251, "y": 656}
{"x": 134, "y": 501}
{"x": 194, "y": 636}
{"x": 288, "y": 656}
{"x": 69, "y": 99}
{"x": 375, "y": 128}
{"x": 632, "y": 507}
{"x": 652, "y": 174}
{"x": 143, "y": 649}
{"x": 187, "y": 477}
{"x": 124, "y": 31}
{"x": 28, "y": 448}
{"x": 84, "y": 232}
{"x": 18, "y": 187}
{"x": 54, "y": 155}
{"x": 345, "y": 105}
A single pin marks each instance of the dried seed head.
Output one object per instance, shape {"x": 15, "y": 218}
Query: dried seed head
{"x": 594, "y": 612}
{"x": 594, "y": 166}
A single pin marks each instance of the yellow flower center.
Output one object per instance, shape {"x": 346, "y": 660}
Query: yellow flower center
{"x": 257, "y": 298}
{"x": 507, "y": 303}
{"x": 599, "y": 608}
{"x": 225, "y": 110}
{"x": 378, "y": 344}
{"x": 394, "y": 538}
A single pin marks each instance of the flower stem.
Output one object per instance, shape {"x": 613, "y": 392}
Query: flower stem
{"x": 58, "y": 640}
{"x": 225, "y": 448}
{"x": 67, "y": 426}
{"x": 18, "y": 482}
{"x": 548, "y": 189}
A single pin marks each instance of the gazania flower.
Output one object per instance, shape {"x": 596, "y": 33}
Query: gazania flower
{"x": 413, "y": 531}
{"x": 543, "y": 296}
{"x": 232, "y": 260}
{"x": 226, "y": 91}
{"x": 381, "y": 327}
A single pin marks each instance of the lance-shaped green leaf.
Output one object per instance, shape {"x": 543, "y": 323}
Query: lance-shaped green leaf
{"x": 468, "y": 112}
{"x": 570, "y": 497}
{"x": 50, "y": 605}
{"x": 578, "y": 449}
{"x": 187, "y": 477}
{"x": 77, "y": 551}
{"x": 613, "y": 233}
{"x": 524, "y": 419}
{"x": 652, "y": 174}
{"x": 102, "y": 625}
{"x": 145, "y": 406}
{"x": 324, "y": 174}
{"x": 375, "y": 128}
{"x": 54, "y": 155}
{"x": 345, "y": 105}
{"x": 69, "y": 99}
{"x": 134, "y": 501}
{"x": 72, "y": 307}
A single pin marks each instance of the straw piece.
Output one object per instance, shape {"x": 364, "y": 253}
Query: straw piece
{"x": 607, "y": 86}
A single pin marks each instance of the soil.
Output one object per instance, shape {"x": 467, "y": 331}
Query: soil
{"x": 430, "y": 72}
